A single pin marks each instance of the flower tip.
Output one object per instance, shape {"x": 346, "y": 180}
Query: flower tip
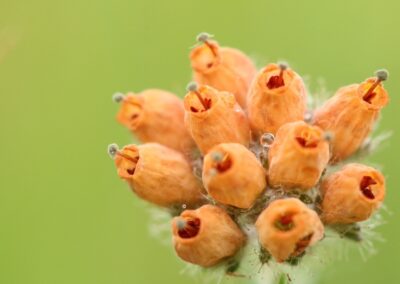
{"x": 283, "y": 65}
{"x": 328, "y": 136}
{"x": 192, "y": 87}
{"x": 112, "y": 150}
{"x": 203, "y": 37}
{"x": 217, "y": 156}
{"x": 308, "y": 117}
{"x": 181, "y": 224}
{"x": 382, "y": 74}
{"x": 118, "y": 97}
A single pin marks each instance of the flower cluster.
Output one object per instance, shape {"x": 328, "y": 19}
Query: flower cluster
{"x": 243, "y": 156}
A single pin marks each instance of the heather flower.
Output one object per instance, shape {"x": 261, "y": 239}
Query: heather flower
{"x": 206, "y": 236}
{"x": 351, "y": 113}
{"x": 155, "y": 116}
{"x": 298, "y": 156}
{"x": 233, "y": 176}
{"x": 277, "y": 96}
{"x": 254, "y": 166}
{"x": 352, "y": 194}
{"x": 223, "y": 68}
{"x": 213, "y": 117}
{"x": 287, "y": 227}
{"x": 158, "y": 174}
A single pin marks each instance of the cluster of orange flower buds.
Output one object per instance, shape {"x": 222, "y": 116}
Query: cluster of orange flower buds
{"x": 259, "y": 153}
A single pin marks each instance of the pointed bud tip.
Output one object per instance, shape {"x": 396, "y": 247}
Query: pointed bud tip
{"x": 217, "y": 156}
{"x": 192, "y": 87}
{"x": 181, "y": 224}
{"x": 283, "y": 65}
{"x": 328, "y": 136}
{"x": 382, "y": 74}
{"x": 203, "y": 37}
{"x": 118, "y": 97}
{"x": 112, "y": 150}
{"x": 308, "y": 117}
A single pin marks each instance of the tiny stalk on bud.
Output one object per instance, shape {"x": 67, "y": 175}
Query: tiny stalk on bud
{"x": 222, "y": 162}
{"x": 188, "y": 227}
{"x": 275, "y": 82}
{"x": 381, "y": 75}
{"x": 118, "y": 97}
{"x": 204, "y": 38}
{"x": 134, "y": 160}
{"x": 112, "y": 150}
{"x": 308, "y": 117}
{"x": 206, "y": 103}
{"x": 328, "y": 136}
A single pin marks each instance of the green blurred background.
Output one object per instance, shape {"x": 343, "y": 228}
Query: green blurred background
{"x": 65, "y": 217}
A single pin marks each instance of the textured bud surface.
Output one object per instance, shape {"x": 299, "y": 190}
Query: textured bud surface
{"x": 214, "y": 237}
{"x": 223, "y": 68}
{"x": 350, "y": 116}
{"x": 237, "y": 178}
{"x": 274, "y": 101}
{"x": 352, "y": 194}
{"x": 298, "y": 156}
{"x": 156, "y": 116}
{"x": 221, "y": 120}
{"x": 158, "y": 174}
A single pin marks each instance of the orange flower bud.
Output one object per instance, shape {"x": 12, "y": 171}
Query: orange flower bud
{"x": 352, "y": 194}
{"x": 233, "y": 176}
{"x": 157, "y": 174}
{"x": 351, "y": 113}
{"x": 155, "y": 116}
{"x": 298, "y": 156}
{"x": 206, "y": 236}
{"x": 223, "y": 68}
{"x": 214, "y": 117}
{"x": 287, "y": 227}
{"x": 277, "y": 96}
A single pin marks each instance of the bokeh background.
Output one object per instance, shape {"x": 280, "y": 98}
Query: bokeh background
{"x": 65, "y": 217}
